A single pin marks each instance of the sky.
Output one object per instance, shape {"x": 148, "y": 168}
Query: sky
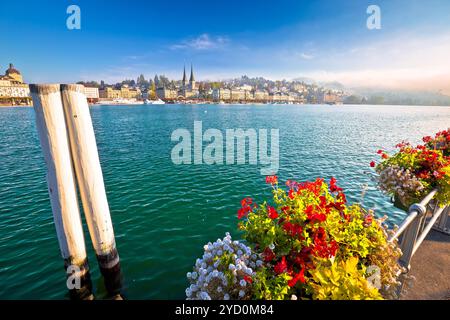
{"x": 282, "y": 39}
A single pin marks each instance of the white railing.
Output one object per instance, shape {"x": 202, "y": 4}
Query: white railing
{"x": 422, "y": 217}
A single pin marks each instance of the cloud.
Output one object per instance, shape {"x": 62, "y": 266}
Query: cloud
{"x": 202, "y": 42}
{"x": 306, "y": 56}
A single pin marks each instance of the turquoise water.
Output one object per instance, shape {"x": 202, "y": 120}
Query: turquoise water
{"x": 163, "y": 213}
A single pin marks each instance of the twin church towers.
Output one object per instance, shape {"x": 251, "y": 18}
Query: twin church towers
{"x": 189, "y": 86}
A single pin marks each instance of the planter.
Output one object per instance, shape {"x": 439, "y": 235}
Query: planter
{"x": 399, "y": 204}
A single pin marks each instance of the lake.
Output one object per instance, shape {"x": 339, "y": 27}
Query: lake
{"x": 164, "y": 213}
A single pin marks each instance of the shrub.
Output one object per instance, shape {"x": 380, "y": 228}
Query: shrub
{"x": 308, "y": 232}
{"x": 224, "y": 272}
{"x": 413, "y": 172}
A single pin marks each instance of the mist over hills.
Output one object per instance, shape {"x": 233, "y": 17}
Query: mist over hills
{"x": 362, "y": 95}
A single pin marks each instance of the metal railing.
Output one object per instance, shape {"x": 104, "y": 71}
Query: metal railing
{"x": 422, "y": 217}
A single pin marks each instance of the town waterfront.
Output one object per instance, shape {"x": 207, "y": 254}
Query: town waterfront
{"x": 163, "y": 213}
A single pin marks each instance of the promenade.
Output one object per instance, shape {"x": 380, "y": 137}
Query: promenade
{"x": 430, "y": 269}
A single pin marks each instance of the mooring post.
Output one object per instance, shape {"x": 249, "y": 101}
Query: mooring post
{"x": 52, "y": 132}
{"x": 90, "y": 182}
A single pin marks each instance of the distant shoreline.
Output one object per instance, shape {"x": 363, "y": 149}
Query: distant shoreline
{"x": 248, "y": 104}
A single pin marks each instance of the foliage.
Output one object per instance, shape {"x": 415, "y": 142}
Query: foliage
{"x": 344, "y": 280}
{"x": 413, "y": 172}
{"x": 309, "y": 229}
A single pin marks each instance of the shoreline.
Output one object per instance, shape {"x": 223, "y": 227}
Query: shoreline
{"x": 242, "y": 104}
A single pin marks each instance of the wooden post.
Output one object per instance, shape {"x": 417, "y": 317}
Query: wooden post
{"x": 52, "y": 132}
{"x": 91, "y": 185}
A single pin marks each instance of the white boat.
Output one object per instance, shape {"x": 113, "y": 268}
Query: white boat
{"x": 119, "y": 101}
{"x": 159, "y": 101}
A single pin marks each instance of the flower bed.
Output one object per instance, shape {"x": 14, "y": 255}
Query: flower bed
{"x": 441, "y": 141}
{"x": 308, "y": 243}
{"x": 413, "y": 172}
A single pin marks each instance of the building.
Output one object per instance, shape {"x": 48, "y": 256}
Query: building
{"x": 188, "y": 89}
{"x": 12, "y": 89}
{"x": 92, "y": 94}
{"x": 261, "y": 96}
{"x": 123, "y": 93}
{"x": 330, "y": 97}
{"x": 221, "y": 94}
{"x": 109, "y": 93}
{"x": 166, "y": 93}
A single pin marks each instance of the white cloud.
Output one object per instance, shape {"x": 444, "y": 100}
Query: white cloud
{"x": 306, "y": 56}
{"x": 401, "y": 62}
{"x": 202, "y": 42}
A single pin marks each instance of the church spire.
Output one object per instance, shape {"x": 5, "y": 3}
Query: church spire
{"x": 184, "y": 74}
{"x": 192, "y": 79}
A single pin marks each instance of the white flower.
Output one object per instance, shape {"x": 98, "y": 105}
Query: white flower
{"x": 241, "y": 293}
{"x": 243, "y": 283}
{"x": 293, "y": 297}
{"x": 226, "y": 296}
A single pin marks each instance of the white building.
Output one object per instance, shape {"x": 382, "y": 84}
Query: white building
{"x": 92, "y": 94}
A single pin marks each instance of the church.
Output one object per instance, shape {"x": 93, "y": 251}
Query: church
{"x": 13, "y": 91}
{"x": 188, "y": 89}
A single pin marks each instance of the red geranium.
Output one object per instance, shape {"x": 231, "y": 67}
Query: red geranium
{"x": 281, "y": 266}
{"x": 273, "y": 214}
{"x": 272, "y": 179}
{"x": 333, "y": 186}
{"x": 300, "y": 276}
{"x": 268, "y": 255}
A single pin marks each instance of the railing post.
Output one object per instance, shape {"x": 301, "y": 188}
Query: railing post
{"x": 441, "y": 224}
{"x": 91, "y": 184}
{"x": 409, "y": 237}
{"x": 52, "y": 132}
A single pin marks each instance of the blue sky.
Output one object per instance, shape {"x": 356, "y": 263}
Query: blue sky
{"x": 324, "y": 40}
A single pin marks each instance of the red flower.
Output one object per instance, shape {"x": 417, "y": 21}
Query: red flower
{"x": 372, "y": 164}
{"x": 242, "y": 212}
{"x": 321, "y": 247}
{"x": 268, "y": 255}
{"x": 426, "y": 139}
{"x": 272, "y": 179}
{"x": 333, "y": 186}
{"x": 248, "y": 279}
{"x": 368, "y": 220}
{"x": 380, "y": 151}
{"x": 246, "y": 202}
{"x": 281, "y": 266}
{"x": 314, "y": 216}
{"x": 291, "y": 194}
{"x": 273, "y": 214}
{"x": 292, "y": 229}
{"x": 298, "y": 277}
{"x": 384, "y": 156}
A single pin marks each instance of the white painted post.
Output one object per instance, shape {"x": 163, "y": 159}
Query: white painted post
{"x": 52, "y": 132}
{"x": 91, "y": 185}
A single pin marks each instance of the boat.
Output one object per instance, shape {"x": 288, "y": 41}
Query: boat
{"x": 119, "y": 101}
{"x": 159, "y": 101}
